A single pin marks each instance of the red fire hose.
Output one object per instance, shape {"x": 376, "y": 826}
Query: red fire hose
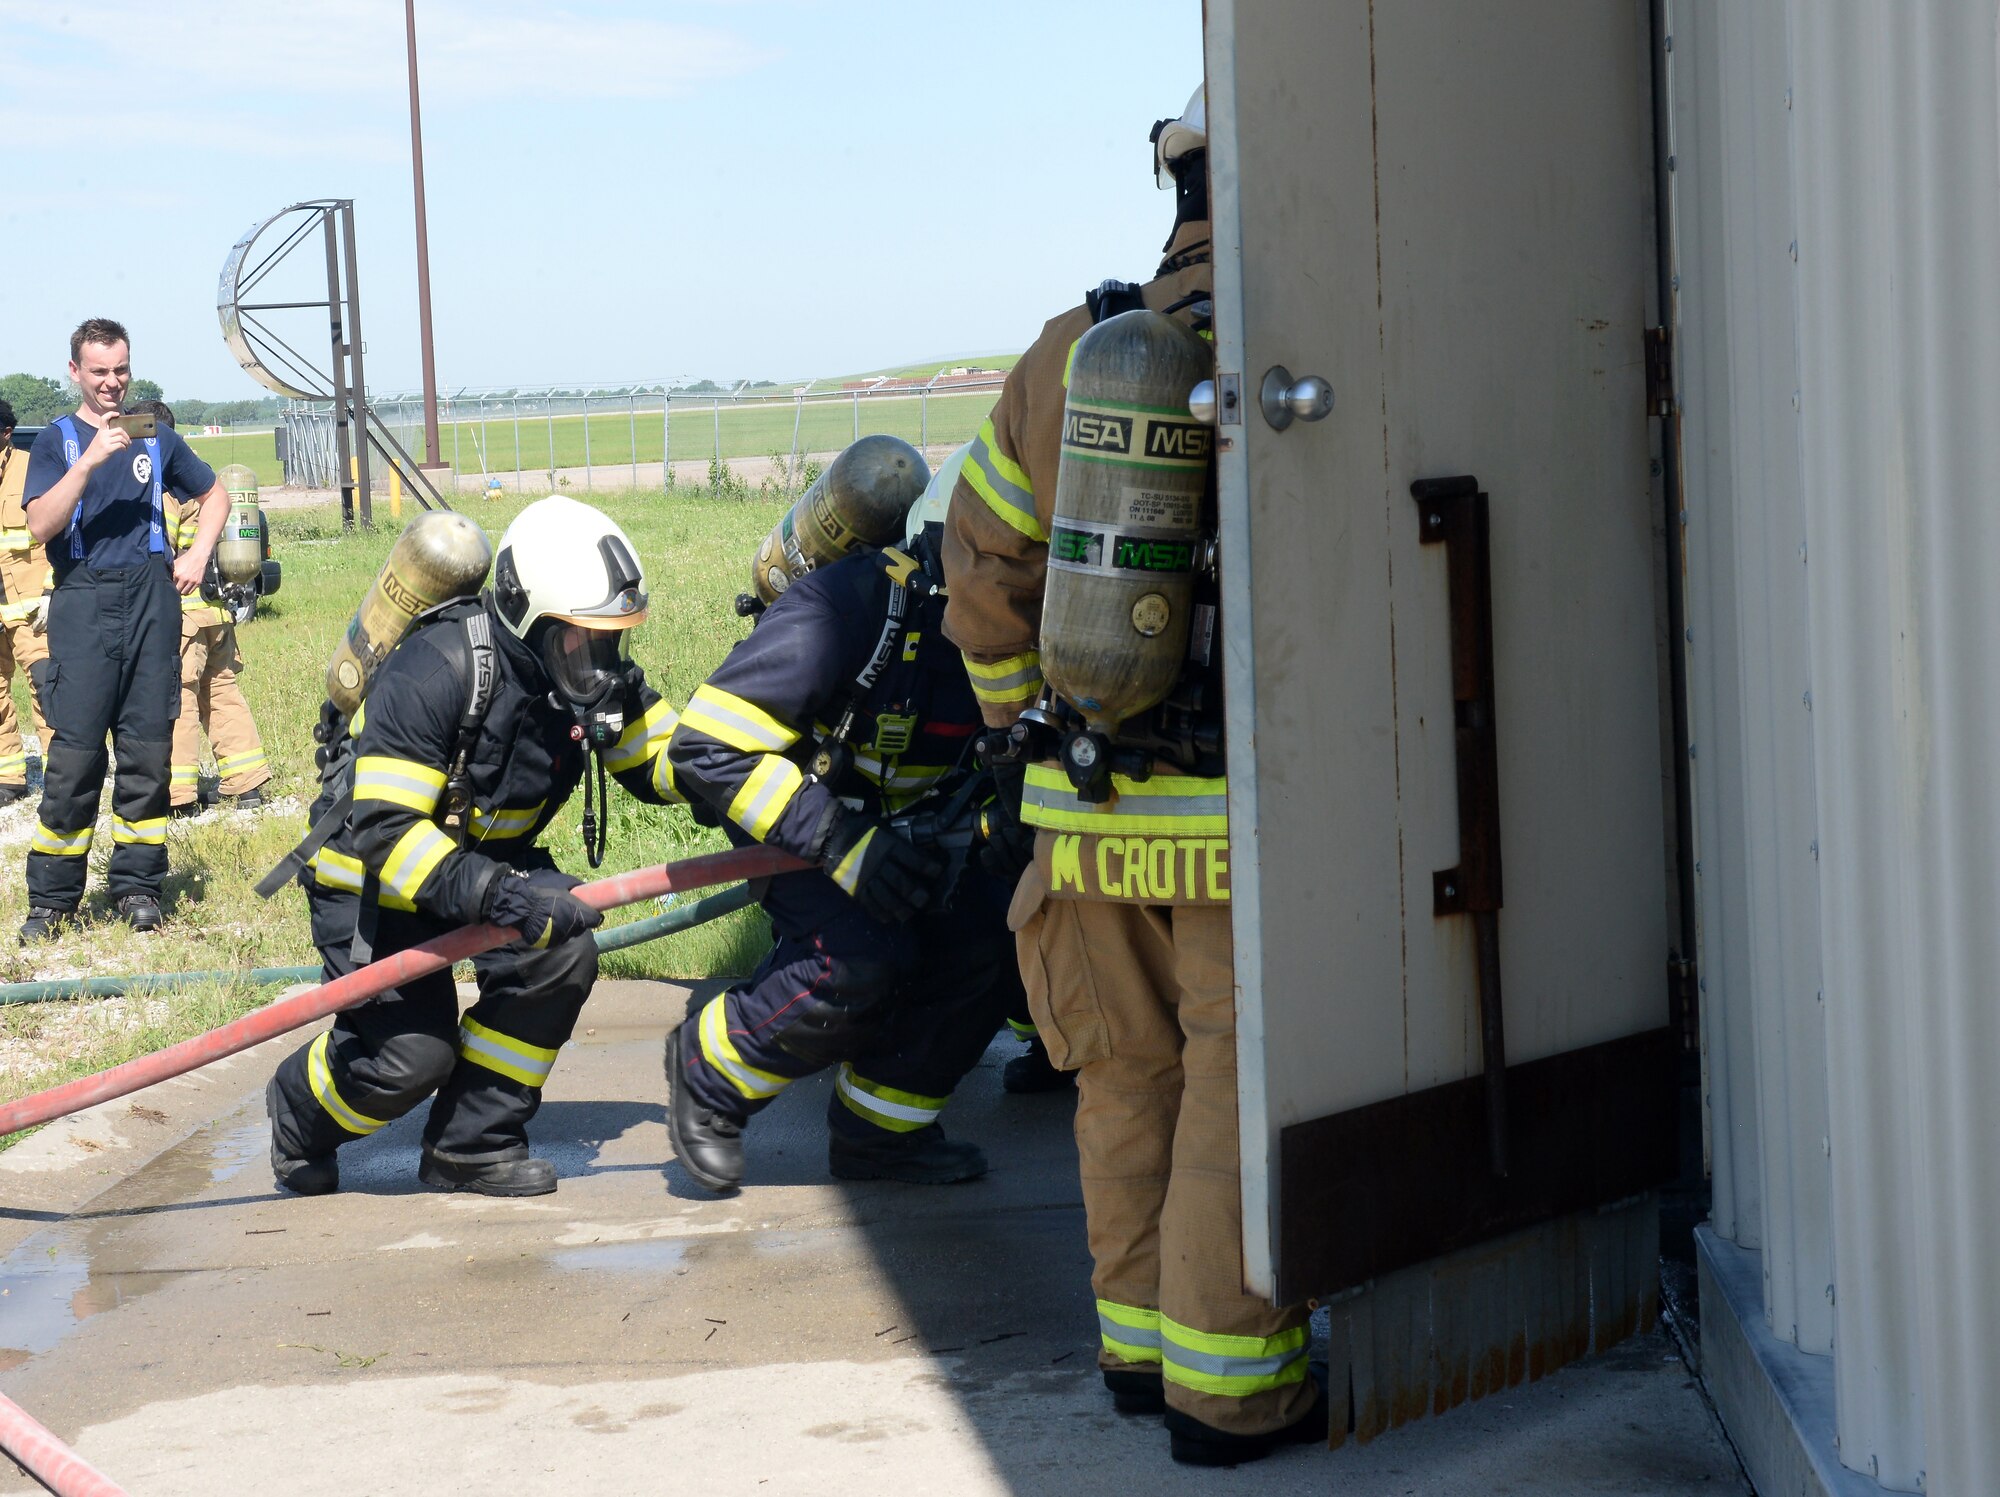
{"x": 366, "y": 982}
{"x": 47, "y": 1459}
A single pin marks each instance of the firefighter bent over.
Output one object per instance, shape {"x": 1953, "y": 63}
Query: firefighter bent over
{"x": 25, "y": 580}
{"x": 1074, "y": 551}
{"x": 843, "y": 713}
{"x": 473, "y": 734}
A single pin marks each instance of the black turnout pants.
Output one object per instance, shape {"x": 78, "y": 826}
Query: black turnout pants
{"x": 382, "y": 1059}
{"x": 114, "y": 669}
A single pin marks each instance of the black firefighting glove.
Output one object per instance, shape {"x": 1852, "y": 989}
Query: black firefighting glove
{"x": 889, "y": 877}
{"x": 1007, "y": 846}
{"x": 541, "y": 907}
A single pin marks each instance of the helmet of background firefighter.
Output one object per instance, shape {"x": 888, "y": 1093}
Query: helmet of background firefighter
{"x": 1181, "y": 136}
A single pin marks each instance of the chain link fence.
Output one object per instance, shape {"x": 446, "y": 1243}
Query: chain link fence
{"x": 586, "y": 439}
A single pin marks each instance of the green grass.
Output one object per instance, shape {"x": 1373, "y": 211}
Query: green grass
{"x": 748, "y": 429}
{"x": 696, "y": 551}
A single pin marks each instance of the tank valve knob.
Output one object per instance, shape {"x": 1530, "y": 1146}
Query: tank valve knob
{"x": 1086, "y": 759}
{"x": 748, "y": 605}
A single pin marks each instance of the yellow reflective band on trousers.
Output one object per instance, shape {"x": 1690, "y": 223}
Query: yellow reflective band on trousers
{"x": 18, "y": 613}
{"x": 885, "y": 1106}
{"x": 1021, "y": 1030}
{"x": 1003, "y": 483}
{"x": 1180, "y": 805}
{"x": 765, "y": 795}
{"x": 516, "y": 821}
{"x": 186, "y": 774}
{"x": 401, "y": 782}
{"x": 17, "y": 540}
{"x": 643, "y": 739}
{"x": 319, "y": 1076}
{"x": 720, "y": 1051}
{"x": 336, "y": 870}
{"x": 150, "y": 832}
{"x": 848, "y": 873}
{"x": 1231, "y": 1366}
{"x": 1130, "y": 1333}
{"x": 517, "y": 1060}
{"x": 13, "y": 764}
{"x": 1018, "y": 678}
{"x": 228, "y": 766}
{"x": 410, "y": 862}
{"x": 60, "y": 844}
{"x": 727, "y": 718}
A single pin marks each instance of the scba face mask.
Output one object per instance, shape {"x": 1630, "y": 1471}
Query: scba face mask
{"x": 587, "y": 667}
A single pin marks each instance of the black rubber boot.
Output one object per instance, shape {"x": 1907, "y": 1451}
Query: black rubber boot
{"x": 141, "y": 912}
{"x": 921, "y": 1157}
{"x": 12, "y": 793}
{"x": 43, "y": 924}
{"x": 523, "y": 1175}
{"x": 1193, "y": 1443}
{"x": 1134, "y": 1392}
{"x": 1031, "y": 1072}
{"x": 708, "y": 1145}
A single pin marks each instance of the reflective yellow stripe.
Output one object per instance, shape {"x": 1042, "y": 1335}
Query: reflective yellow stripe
{"x": 884, "y": 1106}
{"x": 231, "y": 765}
{"x": 515, "y": 1059}
{"x": 643, "y": 739}
{"x": 1018, "y": 678}
{"x": 505, "y": 823}
{"x": 336, "y": 870}
{"x": 1002, "y": 483}
{"x": 848, "y": 874}
{"x": 151, "y": 832}
{"x": 729, "y": 719}
{"x": 18, "y": 613}
{"x": 1231, "y": 1366}
{"x": 1129, "y": 1332}
{"x": 17, "y": 540}
{"x": 204, "y": 615}
{"x": 15, "y": 762}
{"x": 1021, "y": 1030}
{"x": 185, "y": 774}
{"x": 60, "y": 844}
{"x": 1181, "y": 805}
{"x": 319, "y": 1076}
{"x": 410, "y": 862}
{"x": 719, "y": 1050}
{"x": 766, "y": 795}
{"x": 401, "y": 782}
{"x": 664, "y": 783}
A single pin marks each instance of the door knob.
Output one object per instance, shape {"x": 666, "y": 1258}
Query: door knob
{"x": 1285, "y": 400}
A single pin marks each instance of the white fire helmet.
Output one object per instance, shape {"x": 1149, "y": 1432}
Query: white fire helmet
{"x": 935, "y": 501}
{"x": 568, "y": 582}
{"x": 1173, "y": 139}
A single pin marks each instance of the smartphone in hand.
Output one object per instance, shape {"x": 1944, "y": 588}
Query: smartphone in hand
{"x": 145, "y": 424}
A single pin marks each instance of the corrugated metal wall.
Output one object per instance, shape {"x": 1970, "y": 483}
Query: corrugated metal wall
{"x": 1837, "y": 202}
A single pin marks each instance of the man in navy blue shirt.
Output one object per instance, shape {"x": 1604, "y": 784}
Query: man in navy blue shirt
{"x": 94, "y": 501}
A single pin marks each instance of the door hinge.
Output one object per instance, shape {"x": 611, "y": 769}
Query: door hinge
{"x": 1659, "y": 372}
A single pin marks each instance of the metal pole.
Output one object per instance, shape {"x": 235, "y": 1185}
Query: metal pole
{"x": 358, "y": 389}
{"x": 423, "y": 249}
{"x": 924, "y": 420}
{"x": 857, "y": 415}
{"x": 517, "y": 441}
{"x": 586, "y": 440}
{"x": 798, "y": 415}
{"x": 666, "y": 438}
{"x": 343, "y": 475}
{"x": 632, "y": 420}
{"x": 716, "y": 403}
{"x": 549, "y": 405}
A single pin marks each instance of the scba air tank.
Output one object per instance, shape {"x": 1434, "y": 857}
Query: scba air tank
{"x": 245, "y": 540}
{"x": 1127, "y": 527}
{"x": 441, "y": 555}
{"x": 860, "y": 500}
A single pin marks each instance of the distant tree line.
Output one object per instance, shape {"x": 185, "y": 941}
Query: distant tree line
{"x": 38, "y": 400}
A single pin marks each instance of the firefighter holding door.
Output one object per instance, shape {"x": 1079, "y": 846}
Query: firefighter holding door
{"x": 1083, "y": 598}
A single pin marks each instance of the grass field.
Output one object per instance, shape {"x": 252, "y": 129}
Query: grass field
{"x": 537, "y": 443}
{"x": 696, "y": 552}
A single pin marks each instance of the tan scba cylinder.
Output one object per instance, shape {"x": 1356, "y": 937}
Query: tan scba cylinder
{"x": 860, "y": 500}
{"x": 238, "y": 481}
{"x": 1127, "y": 522}
{"x": 440, "y": 555}
{"x": 245, "y": 541}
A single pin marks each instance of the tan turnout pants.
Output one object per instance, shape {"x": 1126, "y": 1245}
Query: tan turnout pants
{"x": 1138, "y": 1000}
{"x": 212, "y": 702}
{"x": 21, "y": 649}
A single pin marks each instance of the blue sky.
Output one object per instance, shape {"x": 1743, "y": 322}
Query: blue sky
{"x": 619, "y": 189}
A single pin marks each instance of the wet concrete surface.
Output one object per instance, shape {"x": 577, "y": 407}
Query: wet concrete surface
{"x": 193, "y": 1331}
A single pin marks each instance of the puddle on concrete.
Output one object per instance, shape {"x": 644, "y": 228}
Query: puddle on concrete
{"x": 657, "y": 1255}
{"x": 47, "y": 1290}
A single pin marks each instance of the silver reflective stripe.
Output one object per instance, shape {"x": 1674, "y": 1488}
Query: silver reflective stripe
{"x": 1049, "y": 799}
{"x": 1127, "y": 1335}
{"x": 1220, "y": 1366}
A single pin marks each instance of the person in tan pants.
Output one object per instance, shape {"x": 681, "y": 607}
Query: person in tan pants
{"x": 211, "y": 701}
{"x": 24, "y": 578}
{"x": 1123, "y": 931}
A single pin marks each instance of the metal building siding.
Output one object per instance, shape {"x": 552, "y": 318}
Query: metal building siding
{"x": 1866, "y": 133}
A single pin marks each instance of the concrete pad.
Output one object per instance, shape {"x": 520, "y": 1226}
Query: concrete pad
{"x": 191, "y": 1331}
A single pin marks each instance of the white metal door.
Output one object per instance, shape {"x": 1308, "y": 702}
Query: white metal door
{"x": 1446, "y": 211}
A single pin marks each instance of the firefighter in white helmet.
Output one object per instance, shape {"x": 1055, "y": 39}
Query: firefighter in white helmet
{"x": 1129, "y": 974}
{"x": 475, "y": 732}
